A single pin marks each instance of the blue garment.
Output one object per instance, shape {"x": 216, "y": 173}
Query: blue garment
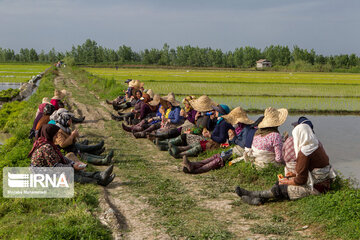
{"x": 174, "y": 115}
{"x": 158, "y": 116}
{"x": 250, "y": 137}
{"x": 52, "y": 122}
{"x": 240, "y": 139}
{"x": 220, "y": 133}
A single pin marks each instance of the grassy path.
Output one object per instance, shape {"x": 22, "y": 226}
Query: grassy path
{"x": 151, "y": 198}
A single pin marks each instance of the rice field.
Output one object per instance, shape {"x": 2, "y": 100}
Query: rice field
{"x": 251, "y": 90}
{"x": 20, "y": 72}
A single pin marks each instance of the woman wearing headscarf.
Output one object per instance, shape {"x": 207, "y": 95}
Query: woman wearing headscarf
{"x": 267, "y": 143}
{"x": 312, "y": 174}
{"x": 38, "y": 116}
{"x": 47, "y": 111}
{"x": 66, "y": 139}
{"x": 46, "y": 154}
{"x": 211, "y": 141}
{"x": 130, "y": 96}
{"x": 170, "y": 120}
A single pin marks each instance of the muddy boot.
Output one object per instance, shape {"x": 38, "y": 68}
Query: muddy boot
{"x": 205, "y": 161}
{"x": 139, "y": 134}
{"x": 126, "y": 128}
{"x": 266, "y": 194}
{"x": 77, "y": 120}
{"x": 161, "y": 142}
{"x": 241, "y": 191}
{"x": 105, "y": 177}
{"x": 98, "y": 160}
{"x": 137, "y": 128}
{"x": 109, "y": 102}
{"x": 252, "y": 200}
{"x": 89, "y": 148}
{"x": 135, "y": 121}
{"x": 85, "y": 142}
{"x": 81, "y": 178}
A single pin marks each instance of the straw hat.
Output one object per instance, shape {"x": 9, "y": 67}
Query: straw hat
{"x": 58, "y": 95}
{"x": 188, "y": 99}
{"x": 45, "y": 100}
{"x": 155, "y": 101}
{"x": 171, "y": 98}
{"x": 203, "y": 104}
{"x": 151, "y": 93}
{"x": 134, "y": 84}
{"x": 237, "y": 115}
{"x": 273, "y": 117}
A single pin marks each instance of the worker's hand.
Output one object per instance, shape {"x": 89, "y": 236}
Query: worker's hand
{"x": 79, "y": 166}
{"x": 290, "y": 174}
{"x": 75, "y": 134}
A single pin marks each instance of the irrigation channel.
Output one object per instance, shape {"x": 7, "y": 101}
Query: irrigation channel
{"x": 340, "y": 137}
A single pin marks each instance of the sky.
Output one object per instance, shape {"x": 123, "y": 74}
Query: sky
{"x": 329, "y": 27}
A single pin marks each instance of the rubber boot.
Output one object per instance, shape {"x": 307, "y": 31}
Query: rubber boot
{"x": 89, "y": 148}
{"x": 126, "y": 128}
{"x": 178, "y": 141}
{"x": 214, "y": 164}
{"x": 77, "y": 120}
{"x": 205, "y": 161}
{"x": 176, "y": 150}
{"x": 116, "y": 118}
{"x": 137, "y": 128}
{"x": 161, "y": 142}
{"x": 226, "y": 156}
{"x": 85, "y": 142}
{"x": 79, "y": 178}
{"x": 252, "y": 200}
{"x": 163, "y": 147}
{"x": 105, "y": 177}
{"x": 98, "y": 160}
{"x": 109, "y": 102}
{"x": 165, "y": 134}
{"x": 192, "y": 152}
{"x": 139, "y": 134}
{"x": 98, "y": 152}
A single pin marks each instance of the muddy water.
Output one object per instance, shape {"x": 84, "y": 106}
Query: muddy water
{"x": 340, "y": 136}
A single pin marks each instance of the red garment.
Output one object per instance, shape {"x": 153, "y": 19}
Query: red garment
{"x": 42, "y": 141}
{"x": 41, "y": 107}
{"x": 288, "y": 150}
{"x": 55, "y": 102}
{"x": 203, "y": 144}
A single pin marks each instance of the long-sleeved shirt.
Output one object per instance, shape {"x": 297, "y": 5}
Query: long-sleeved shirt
{"x": 191, "y": 116}
{"x": 271, "y": 142}
{"x": 174, "y": 115}
{"x": 220, "y": 133}
{"x": 304, "y": 164}
{"x": 145, "y": 110}
{"x": 46, "y": 156}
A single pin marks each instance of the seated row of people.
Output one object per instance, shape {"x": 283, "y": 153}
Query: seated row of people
{"x": 52, "y": 133}
{"x": 204, "y": 125}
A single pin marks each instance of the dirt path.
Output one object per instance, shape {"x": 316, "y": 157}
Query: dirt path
{"x": 126, "y": 212}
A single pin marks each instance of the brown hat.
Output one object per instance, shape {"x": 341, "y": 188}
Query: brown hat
{"x": 203, "y": 104}
{"x": 155, "y": 101}
{"x": 273, "y": 117}
{"x": 171, "y": 98}
{"x": 58, "y": 95}
{"x": 145, "y": 97}
{"x": 151, "y": 93}
{"x": 237, "y": 115}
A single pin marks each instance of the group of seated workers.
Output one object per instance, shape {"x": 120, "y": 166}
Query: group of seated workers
{"x": 203, "y": 125}
{"x": 52, "y": 133}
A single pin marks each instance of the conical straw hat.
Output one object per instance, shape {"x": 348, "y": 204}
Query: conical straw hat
{"x": 136, "y": 84}
{"x": 155, "y": 101}
{"x": 273, "y": 117}
{"x": 237, "y": 115}
{"x": 45, "y": 100}
{"x": 151, "y": 93}
{"x": 59, "y": 94}
{"x": 171, "y": 98}
{"x": 203, "y": 104}
{"x": 131, "y": 83}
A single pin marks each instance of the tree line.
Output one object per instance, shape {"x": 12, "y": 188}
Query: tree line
{"x": 244, "y": 57}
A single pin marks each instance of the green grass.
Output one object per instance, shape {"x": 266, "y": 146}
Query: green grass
{"x": 42, "y": 218}
{"x": 20, "y": 72}
{"x": 8, "y": 94}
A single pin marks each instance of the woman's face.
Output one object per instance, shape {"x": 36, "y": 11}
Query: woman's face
{"x": 138, "y": 95}
{"x": 187, "y": 105}
{"x": 216, "y": 114}
{"x": 70, "y": 122}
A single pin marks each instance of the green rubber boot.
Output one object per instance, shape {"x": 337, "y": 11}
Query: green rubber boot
{"x": 98, "y": 160}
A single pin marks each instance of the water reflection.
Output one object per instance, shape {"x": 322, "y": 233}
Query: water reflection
{"x": 340, "y": 136}
{"x": 5, "y": 86}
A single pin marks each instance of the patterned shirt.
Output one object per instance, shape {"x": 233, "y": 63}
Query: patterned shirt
{"x": 45, "y": 156}
{"x": 271, "y": 142}
{"x": 288, "y": 151}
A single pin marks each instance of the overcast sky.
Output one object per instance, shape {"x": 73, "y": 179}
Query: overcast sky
{"x": 328, "y": 26}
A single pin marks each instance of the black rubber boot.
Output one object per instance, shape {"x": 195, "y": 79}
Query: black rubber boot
{"x": 89, "y": 148}
{"x": 98, "y": 152}
{"x": 252, "y": 200}
{"x": 77, "y": 120}
{"x": 98, "y": 160}
{"x": 163, "y": 147}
